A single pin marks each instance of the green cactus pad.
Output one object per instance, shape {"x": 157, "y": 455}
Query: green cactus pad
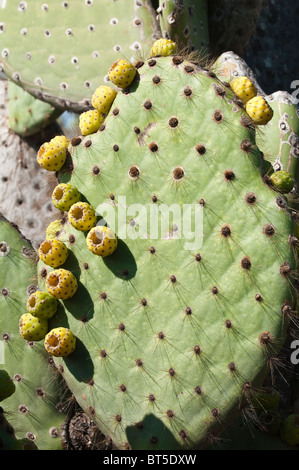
{"x": 35, "y": 407}
{"x": 28, "y": 115}
{"x": 77, "y": 41}
{"x": 185, "y": 22}
{"x": 279, "y": 139}
{"x": 173, "y": 331}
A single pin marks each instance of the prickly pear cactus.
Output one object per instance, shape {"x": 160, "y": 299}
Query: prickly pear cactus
{"x": 77, "y": 41}
{"x": 35, "y": 406}
{"x": 28, "y": 115}
{"x": 180, "y": 323}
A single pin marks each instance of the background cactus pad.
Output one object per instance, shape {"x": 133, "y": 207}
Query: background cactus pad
{"x": 66, "y": 47}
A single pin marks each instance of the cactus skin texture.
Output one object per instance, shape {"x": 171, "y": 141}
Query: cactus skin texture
{"x": 169, "y": 337}
{"x": 34, "y": 409}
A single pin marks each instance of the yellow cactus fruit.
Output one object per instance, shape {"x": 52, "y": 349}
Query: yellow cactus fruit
{"x": 60, "y": 342}
{"x": 53, "y": 252}
{"x": 103, "y": 98}
{"x": 163, "y": 47}
{"x": 101, "y": 241}
{"x": 122, "y": 73}
{"x": 61, "y": 283}
{"x": 82, "y": 216}
{"x": 243, "y": 88}
{"x": 259, "y": 110}
{"x": 90, "y": 121}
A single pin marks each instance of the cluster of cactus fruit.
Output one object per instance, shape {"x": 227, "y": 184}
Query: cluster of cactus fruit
{"x": 161, "y": 346}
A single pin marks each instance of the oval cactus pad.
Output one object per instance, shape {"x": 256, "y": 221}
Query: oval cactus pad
{"x": 183, "y": 318}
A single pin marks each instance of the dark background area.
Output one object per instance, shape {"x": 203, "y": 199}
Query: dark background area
{"x": 273, "y": 51}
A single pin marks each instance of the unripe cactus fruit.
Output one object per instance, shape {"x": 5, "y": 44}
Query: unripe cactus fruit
{"x": 60, "y": 342}
{"x": 53, "y": 252}
{"x": 82, "y": 216}
{"x": 101, "y": 241}
{"x": 32, "y": 328}
{"x": 61, "y": 283}
{"x": 282, "y": 181}
{"x": 52, "y": 229}
{"x": 122, "y": 73}
{"x": 51, "y": 156}
{"x": 64, "y": 196}
{"x": 259, "y": 110}
{"x": 7, "y": 386}
{"x": 90, "y": 121}
{"x": 103, "y": 98}
{"x": 42, "y": 305}
{"x": 243, "y": 88}
{"x": 163, "y": 47}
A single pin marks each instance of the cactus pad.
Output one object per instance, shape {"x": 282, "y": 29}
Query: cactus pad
{"x": 77, "y": 40}
{"x": 28, "y": 115}
{"x": 175, "y": 328}
{"x": 34, "y": 409}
